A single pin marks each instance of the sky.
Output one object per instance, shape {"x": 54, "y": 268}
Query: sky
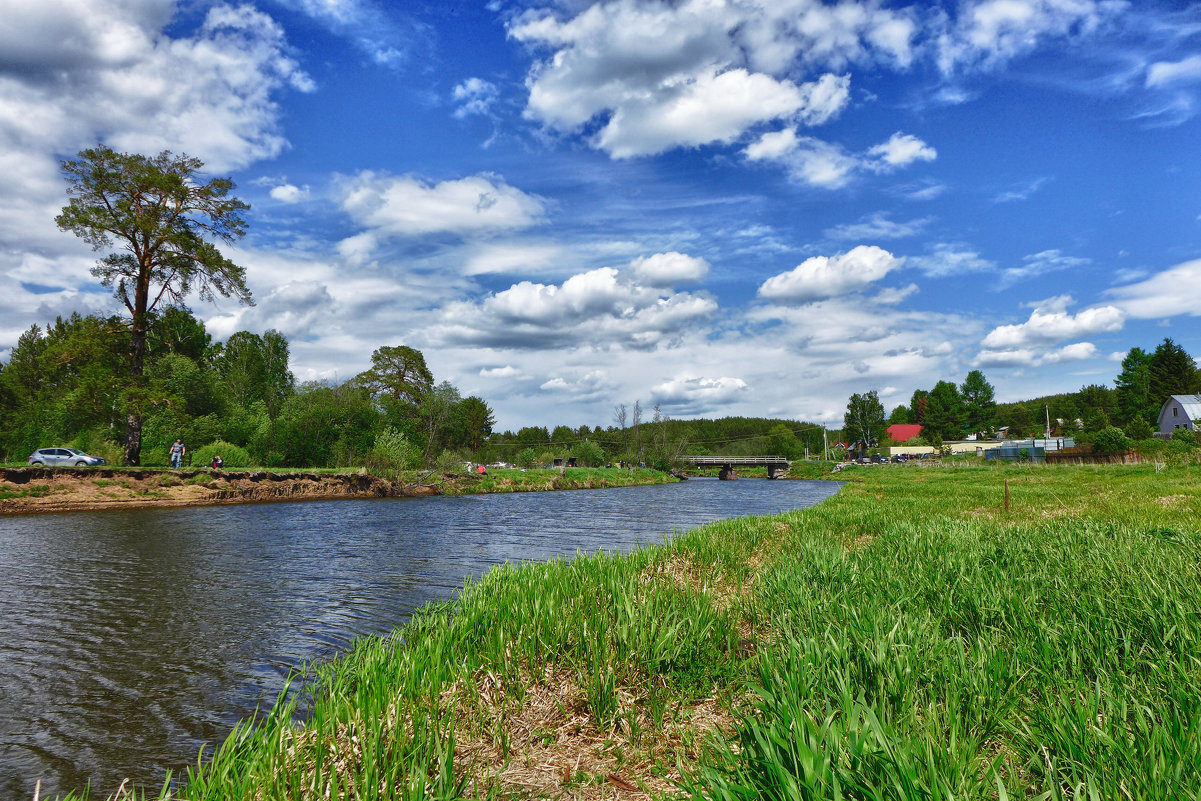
{"x": 720, "y": 207}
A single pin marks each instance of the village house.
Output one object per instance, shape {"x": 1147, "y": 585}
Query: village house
{"x": 1179, "y": 411}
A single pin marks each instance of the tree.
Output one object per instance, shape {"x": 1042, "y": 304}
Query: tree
{"x": 1134, "y": 388}
{"x": 398, "y": 375}
{"x": 161, "y": 220}
{"x": 979, "y": 406}
{"x": 477, "y": 419}
{"x": 944, "y": 411}
{"x": 917, "y": 406}
{"x": 900, "y": 416}
{"x": 864, "y": 420}
{"x": 588, "y": 453}
{"x": 1173, "y": 372}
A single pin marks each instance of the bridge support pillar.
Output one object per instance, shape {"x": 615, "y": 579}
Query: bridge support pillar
{"x": 727, "y": 473}
{"x": 774, "y": 471}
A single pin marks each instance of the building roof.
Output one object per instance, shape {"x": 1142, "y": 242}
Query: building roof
{"x": 903, "y": 432}
{"x": 1190, "y": 403}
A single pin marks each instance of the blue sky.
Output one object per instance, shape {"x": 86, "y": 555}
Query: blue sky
{"x": 751, "y": 207}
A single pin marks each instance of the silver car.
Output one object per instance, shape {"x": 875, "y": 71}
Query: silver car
{"x": 59, "y": 457}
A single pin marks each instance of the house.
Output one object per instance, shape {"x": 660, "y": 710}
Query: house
{"x": 903, "y": 432}
{"x": 1180, "y": 411}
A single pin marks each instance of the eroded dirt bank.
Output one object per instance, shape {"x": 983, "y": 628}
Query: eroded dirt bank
{"x": 57, "y": 489}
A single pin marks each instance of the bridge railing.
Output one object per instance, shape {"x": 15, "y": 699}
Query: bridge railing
{"x": 734, "y": 460}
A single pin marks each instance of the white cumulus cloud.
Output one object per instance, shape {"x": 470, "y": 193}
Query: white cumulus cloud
{"x": 658, "y": 75}
{"x": 822, "y": 277}
{"x": 669, "y": 269}
{"x": 1047, "y": 326}
{"x": 818, "y": 163}
{"x": 408, "y": 206}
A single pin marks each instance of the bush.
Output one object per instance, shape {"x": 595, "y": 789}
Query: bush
{"x": 95, "y": 445}
{"x": 1186, "y": 436}
{"x": 526, "y": 458}
{"x": 392, "y": 451}
{"x": 230, "y": 453}
{"x": 588, "y": 454}
{"x": 1139, "y": 429}
{"x": 1111, "y": 440}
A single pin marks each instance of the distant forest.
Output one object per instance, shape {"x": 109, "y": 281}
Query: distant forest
{"x": 68, "y": 385}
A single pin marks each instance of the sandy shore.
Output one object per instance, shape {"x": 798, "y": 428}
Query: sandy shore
{"x": 59, "y": 489}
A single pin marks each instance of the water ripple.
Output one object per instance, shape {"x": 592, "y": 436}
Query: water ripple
{"x": 130, "y": 639}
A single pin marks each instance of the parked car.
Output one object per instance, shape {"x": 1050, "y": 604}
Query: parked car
{"x": 879, "y": 458}
{"x": 59, "y": 457}
{"x": 900, "y": 458}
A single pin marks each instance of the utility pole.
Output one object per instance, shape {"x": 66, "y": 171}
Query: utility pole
{"x": 825, "y": 446}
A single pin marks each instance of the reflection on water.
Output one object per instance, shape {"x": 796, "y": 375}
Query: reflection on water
{"x": 129, "y": 639}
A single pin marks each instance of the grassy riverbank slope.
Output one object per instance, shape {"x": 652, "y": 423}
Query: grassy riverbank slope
{"x": 909, "y": 638}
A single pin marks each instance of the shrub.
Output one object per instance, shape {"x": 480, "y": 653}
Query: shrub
{"x": 1139, "y": 429}
{"x": 230, "y": 453}
{"x": 392, "y": 451}
{"x": 588, "y": 454}
{"x": 526, "y": 458}
{"x": 1186, "y": 436}
{"x": 1111, "y": 440}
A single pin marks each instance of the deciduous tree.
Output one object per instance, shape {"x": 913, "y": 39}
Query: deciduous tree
{"x": 160, "y": 219}
{"x": 864, "y": 419}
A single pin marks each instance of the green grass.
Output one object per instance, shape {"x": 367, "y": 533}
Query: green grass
{"x": 908, "y": 638}
{"x": 515, "y": 480}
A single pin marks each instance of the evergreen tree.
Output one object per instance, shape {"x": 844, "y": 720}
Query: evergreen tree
{"x": 162, "y": 220}
{"x": 979, "y": 405}
{"x": 1133, "y": 391}
{"x": 1173, "y": 372}
{"x": 944, "y": 411}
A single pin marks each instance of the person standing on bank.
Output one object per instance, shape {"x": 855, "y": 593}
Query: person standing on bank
{"x": 177, "y": 452}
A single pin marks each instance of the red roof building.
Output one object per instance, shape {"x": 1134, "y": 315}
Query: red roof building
{"x": 903, "y": 432}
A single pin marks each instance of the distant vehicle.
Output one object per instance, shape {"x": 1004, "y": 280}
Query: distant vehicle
{"x": 879, "y": 459}
{"x": 900, "y": 458}
{"x": 865, "y": 460}
{"x": 60, "y": 457}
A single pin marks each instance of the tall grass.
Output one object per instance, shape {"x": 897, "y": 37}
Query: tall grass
{"x": 907, "y": 639}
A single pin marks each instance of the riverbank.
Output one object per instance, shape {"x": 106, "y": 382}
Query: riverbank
{"x": 916, "y": 635}
{"x": 66, "y": 489}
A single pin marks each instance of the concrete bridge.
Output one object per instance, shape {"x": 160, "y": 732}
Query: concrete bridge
{"x": 776, "y": 465}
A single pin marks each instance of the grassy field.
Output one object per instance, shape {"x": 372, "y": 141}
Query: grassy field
{"x": 910, "y": 638}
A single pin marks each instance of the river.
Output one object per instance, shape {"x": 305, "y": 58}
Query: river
{"x": 130, "y": 639}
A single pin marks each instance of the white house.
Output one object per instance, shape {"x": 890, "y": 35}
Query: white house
{"x": 1180, "y": 411}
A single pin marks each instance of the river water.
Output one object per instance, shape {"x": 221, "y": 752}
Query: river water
{"x": 130, "y": 639}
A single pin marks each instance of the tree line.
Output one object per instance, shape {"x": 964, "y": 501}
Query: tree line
{"x": 954, "y": 412}
{"x": 68, "y": 383}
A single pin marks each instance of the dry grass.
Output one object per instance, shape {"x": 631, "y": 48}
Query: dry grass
{"x": 546, "y": 743}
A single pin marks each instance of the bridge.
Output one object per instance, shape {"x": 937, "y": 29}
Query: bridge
{"x": 776, "y": 465}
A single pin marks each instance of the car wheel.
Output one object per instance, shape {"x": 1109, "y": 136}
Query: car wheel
{"x": 81, "y": 464}
{"x": 38, "y": 464}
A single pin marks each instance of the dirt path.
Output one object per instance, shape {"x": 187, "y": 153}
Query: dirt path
{"x": 59, "y": 489}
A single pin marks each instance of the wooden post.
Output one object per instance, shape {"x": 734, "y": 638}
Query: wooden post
{"x": 1007, "y": 495}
